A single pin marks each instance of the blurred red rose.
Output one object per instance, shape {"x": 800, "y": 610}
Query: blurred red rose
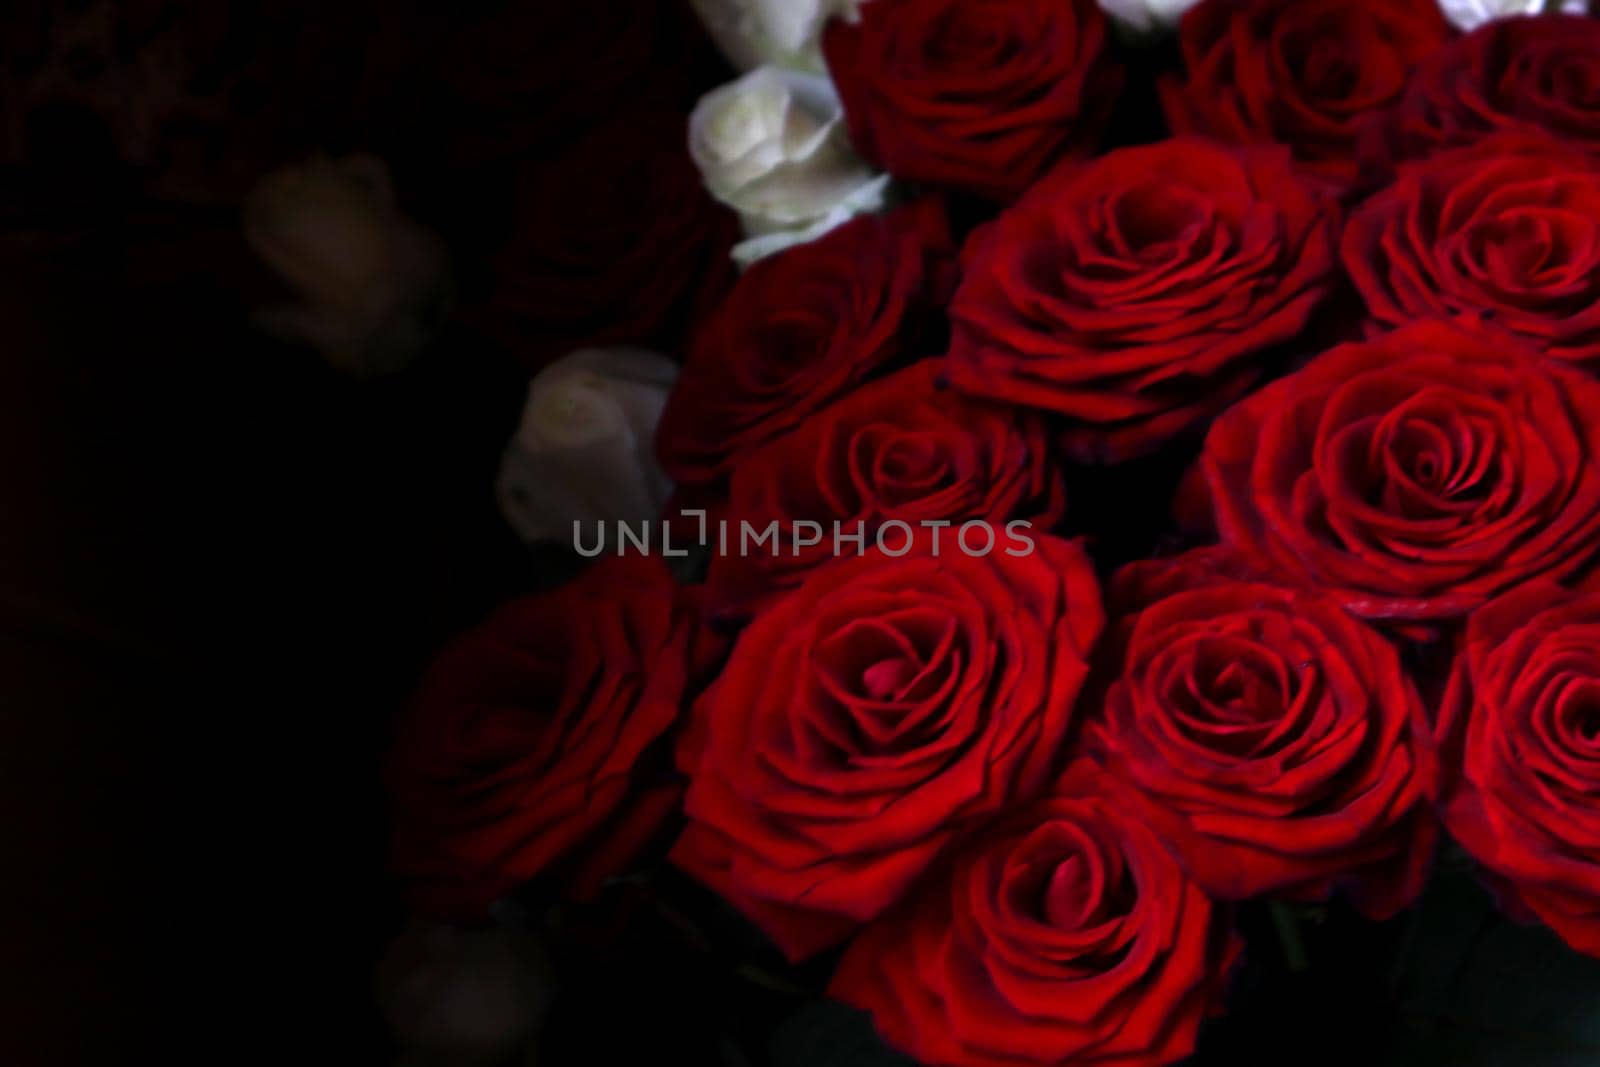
{"x": 1529, "y": 73}
{"x": 528, "y": 745}
{"x": 904, "y": 447}
{"x": 1271, "y": 739}
{"x": 518, "y": 76}
{"x": 981, "y": 97}
{"x": 1140, "y": 293}
{"x": 1508, "y": 230}
{"x": 613, "y": 242}
{"x": 1307, "y": 74}
{"x": 1067, "y": 934}
{"x": 802, "y": 328}
{"x": 867, "y": 719}
{"x": 1415, "y": 476}
{"x": 1519, "y": 732}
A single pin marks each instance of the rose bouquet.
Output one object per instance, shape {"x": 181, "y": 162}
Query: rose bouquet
{"x": 1130, "y": 483}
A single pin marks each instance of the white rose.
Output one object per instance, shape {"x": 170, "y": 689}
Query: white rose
{"x": 464, "y": 997}
{"x": 871, "y": 198}
{"x": 585, "y": 450}
{"x": 785, "y": 33}
{"x": 1144, "y": 16}
{"x": 372, "y": 284}
{"x": 773, "y": 147}
{"x": 1468, "y": 15}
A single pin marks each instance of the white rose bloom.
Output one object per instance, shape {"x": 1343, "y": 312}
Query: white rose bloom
{"x": 1468, "y": 15}
{"x": 773, "y": 147}
{"x": 585, "y": 450}
{"x": 785, "y": 33}
{"x": 465, "y": 997}
{"x": 870, "y": 198}
{"x": 371, "y": 284}
{"x": 1145, "y": 16}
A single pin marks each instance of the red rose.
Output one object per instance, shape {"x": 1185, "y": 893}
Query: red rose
{"x": 800, "y": 329}
{"x": 521, "y": 75}
{"x": 1519, "y": 732}
{"x": 1271, "y": 739}
{"x": 614, "y": 242}
{"x": 1530, "y": 73}
{"x": 1139, "y": 293}
{"x": 1306, "y": 74}
{"x": 525, "y": 745}
{"x": 867, "y": 719}
{"x": 981, "y": 97}
{"x": 902, "y": 448}
{"x": 1066, "y": 935}
{"x": 1415, "y": 476}
{"x": 1508, "y": 229}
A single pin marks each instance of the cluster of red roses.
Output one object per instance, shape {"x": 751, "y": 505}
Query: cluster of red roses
{"x": 1025, "y": 802}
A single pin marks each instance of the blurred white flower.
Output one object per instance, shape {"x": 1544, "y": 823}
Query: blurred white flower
{"x": 585, "y": 450}
{"x": 1468, "y": 15}
{"x": 372, "y": 284}
{"x": 773, "y": 147}
{"x": 1145, "y": 16}
{"x": 460, "y": 998}
{"x": 786, "y": 33}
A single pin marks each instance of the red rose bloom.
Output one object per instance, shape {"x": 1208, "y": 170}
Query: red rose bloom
{"x": 1508, "y": 230}
{"x": 1519, "y": 732}
{"x": 1270, "y": 738}
{"x": 903, "y": 448}
{"x": 800, "y": 329}
{"x": 1068, "y": 934}
{"x": 981, "y": 97}
{"x": 613, "y": 242}
{"x": 867, "y": 719}
{"x": 1139, "y": 293}
{"x": 1415, "y": 476}
{"x": 525, "y": 745}
{"x": 1306, "y": 74}
{"x": 1530, "y": 74}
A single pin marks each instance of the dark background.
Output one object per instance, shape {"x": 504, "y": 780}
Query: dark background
{"x": 222, "y": 565}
